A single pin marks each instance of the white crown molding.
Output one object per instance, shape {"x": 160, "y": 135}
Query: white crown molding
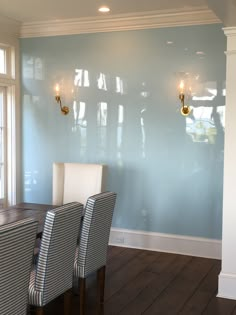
{"x": 178, "y": 244}
{"x": 153, "y": 19}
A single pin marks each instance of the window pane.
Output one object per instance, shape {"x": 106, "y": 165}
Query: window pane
{"x": 2, "y": 61}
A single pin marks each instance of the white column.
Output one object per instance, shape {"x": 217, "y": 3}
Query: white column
{"x": 227, "y": 277}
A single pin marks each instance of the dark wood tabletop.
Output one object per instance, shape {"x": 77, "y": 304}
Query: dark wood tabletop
{"x": 25, "y": 210}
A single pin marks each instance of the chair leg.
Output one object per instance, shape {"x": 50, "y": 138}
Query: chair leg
{"x": 82, "y": 293}
{"x": 39, "y": 310}
{"x": 67, "y": 302}
{"x": 101, "y": 284}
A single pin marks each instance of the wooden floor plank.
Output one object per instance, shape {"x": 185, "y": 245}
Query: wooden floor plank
{"x": 201, "y": 297}
{"x": 128, "y": 293}
{"x": 175, "y": 296}
{"x": 234, "y": 312}
{"x": 145, "y": 282}
{"x": 132, "y": 289}
{"x": 114, "y": 251}
{"x": 128, "y": 272}
{"x": 119, "y": 261}
{"x": 218, "y": 306}
{"x": 159, "y": 283}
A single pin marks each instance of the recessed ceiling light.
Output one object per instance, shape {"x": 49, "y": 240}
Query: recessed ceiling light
{"x": 104, "y": 9}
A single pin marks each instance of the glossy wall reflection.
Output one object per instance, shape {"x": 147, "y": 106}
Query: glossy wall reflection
{"x": 121, "y": 88}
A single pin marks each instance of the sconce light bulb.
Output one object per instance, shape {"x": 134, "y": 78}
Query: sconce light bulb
{"x": 57, "y": 89}
{"x": 181, "y": 87}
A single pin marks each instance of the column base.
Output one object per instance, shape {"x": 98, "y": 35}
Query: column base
{"x": 227, "y": 286}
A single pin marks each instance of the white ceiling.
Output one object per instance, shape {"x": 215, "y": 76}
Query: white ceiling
{"x": 43, "y": 10}
{"x": 62, "y": 17}
{"x": 225, "y": 10}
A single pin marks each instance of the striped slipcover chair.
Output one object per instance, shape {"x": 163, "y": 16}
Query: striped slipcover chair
{"x": 16, "y": 252}
{"x": 91, "y": 254}
{"x": 53, "y": 273}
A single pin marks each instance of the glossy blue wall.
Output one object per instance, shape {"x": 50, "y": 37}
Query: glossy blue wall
{"x": 124, "y": 111}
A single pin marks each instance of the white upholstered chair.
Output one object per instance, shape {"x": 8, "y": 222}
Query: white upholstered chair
{"x": 77, "y": 182}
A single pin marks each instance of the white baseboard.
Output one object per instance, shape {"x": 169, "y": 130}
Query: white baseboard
{"x": 186, "y": 245}
{"x": 227, "y": 286}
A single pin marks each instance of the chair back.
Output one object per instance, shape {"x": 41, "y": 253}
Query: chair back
{"x": 16, "y": 252}
{"x": 56, "y": 256}
{"x": 95, "y": 232}
{"x": 77, "y": 182}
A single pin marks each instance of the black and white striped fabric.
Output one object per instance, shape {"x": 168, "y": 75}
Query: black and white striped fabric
{"x": 54, "y": 270}
{"x": 16, "y": 252}
{"x": 92, "y": 251}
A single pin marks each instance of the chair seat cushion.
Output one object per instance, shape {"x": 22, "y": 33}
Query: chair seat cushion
{"x": 35, "y": 297}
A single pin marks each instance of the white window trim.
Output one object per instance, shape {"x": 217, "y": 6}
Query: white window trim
{"x": 8, "y": 82}
{"x": 9, "y": 37}
{"x": 3, "y": 201}
{"x": 11, "y": 148}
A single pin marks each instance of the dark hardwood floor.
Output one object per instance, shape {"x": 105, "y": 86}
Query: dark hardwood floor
{"x": 146, "y": 282}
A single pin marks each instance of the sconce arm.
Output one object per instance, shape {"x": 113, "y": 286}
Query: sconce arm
{"x": 58, "y": 100}
{"x": 64, "y": 109}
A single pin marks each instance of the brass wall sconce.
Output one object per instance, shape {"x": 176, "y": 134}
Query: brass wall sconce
{"x": 64, "y": 109}
{"x": 185, "y": 109}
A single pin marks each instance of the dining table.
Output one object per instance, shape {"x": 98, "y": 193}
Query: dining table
{"x": 24, "y": 210}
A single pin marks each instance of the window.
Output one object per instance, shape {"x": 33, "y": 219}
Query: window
{"x": 7, "y": 127}
{"x": 7, "y": 65}
{"x": 2, "y": 61}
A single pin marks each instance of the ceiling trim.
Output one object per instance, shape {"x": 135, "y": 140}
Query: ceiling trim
{"x": 145, "y": 20}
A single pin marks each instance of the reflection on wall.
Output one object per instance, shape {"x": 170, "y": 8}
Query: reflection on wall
{"x": 207, "y": 119}
{"x": 33, "y": 68}
{"x": 121, "y": 89}
{"x": 205, "y": 123}
{"x": 102, "y": 85}
{"x": 30, "y": 180}
{"x": 81, "y": 78}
